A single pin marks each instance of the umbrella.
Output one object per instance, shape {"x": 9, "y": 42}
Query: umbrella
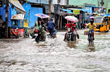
{"x": 71, "y": 18}
{"x": 18, "y": 17}
{"x": 42, "y": 15}
{"x": 92, "y": 17}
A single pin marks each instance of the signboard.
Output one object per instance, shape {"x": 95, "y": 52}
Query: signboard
{"x": 96, "y": 9}
{"x": 90, "y": 9}
{"x": 98, "y": 20}
{"x": 56, "y": 8}
{"x": 76, "y": 11}
{"x": 46, "y": 8}
{"x": 26, "y": 24}
{"x": 87, "y": 8}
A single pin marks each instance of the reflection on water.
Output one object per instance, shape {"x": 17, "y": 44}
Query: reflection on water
{"x": 101, "y": 33}
{"x": 71, "y": 44}
{"x": 13, "y": 62}
{"x": 91, "y": 47}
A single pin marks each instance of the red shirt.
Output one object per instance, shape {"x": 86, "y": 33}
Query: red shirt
{"x": 70, "y": 25}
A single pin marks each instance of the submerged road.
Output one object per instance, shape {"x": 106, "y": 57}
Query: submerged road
{"x": 55, "y": 55}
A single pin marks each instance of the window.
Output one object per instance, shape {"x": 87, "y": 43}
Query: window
{"x": 15, "y": 23}
{"x": 98, "y": 20}
{"x": 109, "y": 11}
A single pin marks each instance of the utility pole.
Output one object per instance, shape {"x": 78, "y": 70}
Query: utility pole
{"x": 7, "y": 9}
{"x": 98, "y": 4}
{"x": 102, "y": 3}
{"x": 50, "y": 7}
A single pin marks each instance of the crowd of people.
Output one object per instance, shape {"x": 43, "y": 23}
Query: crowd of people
{"x": 42, "y": 27}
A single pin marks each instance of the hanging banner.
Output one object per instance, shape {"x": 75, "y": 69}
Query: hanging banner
{"x": 76, "y": 11}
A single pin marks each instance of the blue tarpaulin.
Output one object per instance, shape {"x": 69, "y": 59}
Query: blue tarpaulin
{"x": 2, "y": 12}
{"x": 106, "y": 15}
{"x": 84, "y": 10}
{"x": 69, "y": 11}
{"x": 66, "y": 10}
{"x": 32, "y": 17}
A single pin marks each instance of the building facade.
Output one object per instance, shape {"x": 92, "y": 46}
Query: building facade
{"x": 94, "y": 2}
{"x": 61, "y": 2}
{"x": 108, "y": 9}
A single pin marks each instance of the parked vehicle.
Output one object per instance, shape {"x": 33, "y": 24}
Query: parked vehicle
{"x": 109, "y": 21}
{"x": 19, "y": 27}
{"x": 101, "y": 23}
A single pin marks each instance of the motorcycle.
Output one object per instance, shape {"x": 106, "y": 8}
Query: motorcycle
{"x": 49, "y": 34}
{"x": 39, "y": 36}
{"x": 70, "y": 35}
{"x": 90, "y": 37}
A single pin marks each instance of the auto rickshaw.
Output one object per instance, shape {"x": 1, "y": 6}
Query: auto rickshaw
{"x": 101, "y": 23}
{"x": 109, "y": 21}
{"x": 19, "y": 27}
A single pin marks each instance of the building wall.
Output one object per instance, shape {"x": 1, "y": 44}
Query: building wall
{"x": 80, "y": 2}
{"x": 33, "y": 10}
{"x": 95, "y": 2}
{"x": 63, "y": 2}
{"x": 106, "y": 2}
{"x": 32, "y": 17}
{"x": 108, "y": 9}
{"x": 2, "y": 12}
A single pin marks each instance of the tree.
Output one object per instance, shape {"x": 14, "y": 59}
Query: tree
{"x": 50, "y": 7}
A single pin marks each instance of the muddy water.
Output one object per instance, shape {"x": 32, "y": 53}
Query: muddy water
{"x": 55, "y": 55}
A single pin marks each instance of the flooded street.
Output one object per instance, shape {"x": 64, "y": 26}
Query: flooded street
{"x": 55, "y": 55}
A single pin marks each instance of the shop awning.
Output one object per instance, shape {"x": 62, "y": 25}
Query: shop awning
{"x": 66, "y": 10}
{"x": 63, "y": 13}
{"x": 18, "y": 6}
{"x": 84, "y": 10}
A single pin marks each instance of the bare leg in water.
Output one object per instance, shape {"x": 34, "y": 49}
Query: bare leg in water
{"x": 65, "y": 37}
